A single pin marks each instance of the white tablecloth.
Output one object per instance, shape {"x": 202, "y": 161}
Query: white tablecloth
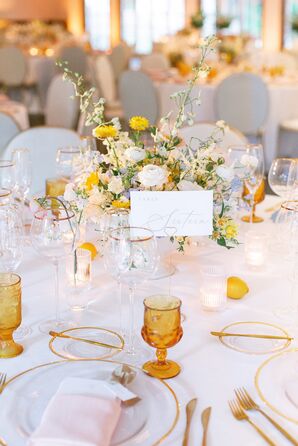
{"x": 210, "y": 371}
{"x": 283, "y": 105}
{"x": 17, "y": 110}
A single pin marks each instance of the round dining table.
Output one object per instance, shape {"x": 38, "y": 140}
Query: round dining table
{"x": 283, "y": 98}
{"x": 210, "y": 371}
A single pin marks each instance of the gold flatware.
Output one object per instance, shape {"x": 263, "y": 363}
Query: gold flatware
{"x": 240, "y": 415}
{"x": 2, "y": 442}
{"x": 249, "y": 404}
{"x": 190, "y": 408}
{"x": 56, "y": 334}
{"x": 2, "y": 381}
{"x": 246, "y": 335}
{"x": 205, "y": 417}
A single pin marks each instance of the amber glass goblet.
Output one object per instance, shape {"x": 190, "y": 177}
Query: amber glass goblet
{"x": 162, "y": 329}
{"x": 259, "y": 196}
{"x": 10, "y": 314}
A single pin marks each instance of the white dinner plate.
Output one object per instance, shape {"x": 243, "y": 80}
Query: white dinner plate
{"x": 276, "y": 382}
{"x": 24, "y": 400}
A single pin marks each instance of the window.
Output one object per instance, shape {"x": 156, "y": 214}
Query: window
{"x": 290, "y": 34}
{"x": 97, "y": 23}
{"x": 246, "y": 16}
{"x": 144, "y": 22}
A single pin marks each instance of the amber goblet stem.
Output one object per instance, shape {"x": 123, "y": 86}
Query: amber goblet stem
{"x": 161, "y": 354}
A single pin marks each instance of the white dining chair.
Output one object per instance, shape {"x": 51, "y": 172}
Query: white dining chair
{"x": 8, "y": 129}
{"x": 242, "y": 101}
{"x": 12, "y": 67}
{"x": 106, "y": 84}
{"x": 61, "y": 109}
{"x": 119, "y": 59}
{"x": 43, "y": 143}
{"x": 202, "y": 130}
{"x": 288, "y": 139}
{"x": 76, "y": 58}
{"x": 138, "y": 96}
{"x": 155, "y": 61}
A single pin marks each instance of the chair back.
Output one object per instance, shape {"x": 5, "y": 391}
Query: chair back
{"x": 12, "y": 66}
{"x": 105, "y": 78}
{"x": 119, "y": 59}
{"x": 155, "y": 61}
{"x": 203, "y": 130}
{"x": 138, "y": 96}
{"x": 8, "y": 129}
{"x": 43, "y": 143}
{"x": 61, "y": 110}
{"x": 76, "y": 58}
{"x": 242, "y": 101}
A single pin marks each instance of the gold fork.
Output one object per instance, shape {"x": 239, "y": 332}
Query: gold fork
{"x": 240, "y": 415}
{"x": 2, "y": 381}
{"x": 249, "y": 404}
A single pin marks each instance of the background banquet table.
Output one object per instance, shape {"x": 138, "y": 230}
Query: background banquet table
{"x": 16, "y": 110}
{"x": 283, "y": 105}
{"x": 210, "y": 371}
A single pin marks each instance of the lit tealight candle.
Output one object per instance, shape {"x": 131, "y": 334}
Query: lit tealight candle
{"x": 255, "y": 249}
{"x": 213, "y": 287}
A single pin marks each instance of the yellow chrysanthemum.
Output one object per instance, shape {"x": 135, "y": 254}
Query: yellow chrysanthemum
{"x": 139, "y": 123}
{"x": 105, "y": 131}
{"x": 121, "y": 204}
{"x": 91, "y": 181}
{"x": 231, "y": 230}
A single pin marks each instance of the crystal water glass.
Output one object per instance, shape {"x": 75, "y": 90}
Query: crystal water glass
{"x": 282, "y": 177}
{"x": 22, "y": 175}
{"x": 7, "y": 175}
{"x": 66, "y": 158}
{"x": 54, "y": 234}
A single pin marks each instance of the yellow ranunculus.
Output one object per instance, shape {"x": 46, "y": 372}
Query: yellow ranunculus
{"x": 91, "y": 181}
{"x": 231, "y": 230}
{"x": 121, "y": 204}
{"x": 139, "y": 123}
{"x": 105, "y": 131}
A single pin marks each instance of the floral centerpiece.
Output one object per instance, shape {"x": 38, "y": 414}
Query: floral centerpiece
{"x": 105, "y": 180}
{"x": 223, "y": 22}
{"x": 197, "y": 20}
{"x": 294, "y": 23}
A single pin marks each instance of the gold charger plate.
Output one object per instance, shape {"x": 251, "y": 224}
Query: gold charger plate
{"x": 272, "y": 379}
{"x": 253, "y": 345}
{"x": 19, "y": 423}
{"x": 75, "y": 349}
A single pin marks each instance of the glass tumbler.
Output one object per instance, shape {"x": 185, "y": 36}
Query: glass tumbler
{"x": 10, "y": 314}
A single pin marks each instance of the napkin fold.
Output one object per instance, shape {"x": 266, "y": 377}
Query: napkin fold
{"x": 83, "y": 412}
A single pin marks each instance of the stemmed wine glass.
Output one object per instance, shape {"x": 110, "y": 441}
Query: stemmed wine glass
{"x": 54, "y": 234}
{"x": 65, "y": 159}
{"x": 22, "y": 175}
{"x": 131, "y": 257}
{"x": 282, "y": 177}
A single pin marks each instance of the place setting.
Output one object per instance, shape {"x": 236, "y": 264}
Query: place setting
{"x": 148, "y": 223}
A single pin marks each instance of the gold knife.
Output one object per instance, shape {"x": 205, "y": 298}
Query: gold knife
{"x": 205, "y": 422}
{"x": 190, "y": 408}
{"x": 55, "y": 334}
{"x": 245, "y": 335}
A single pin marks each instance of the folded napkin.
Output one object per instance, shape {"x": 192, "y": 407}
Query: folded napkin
{"x": 83, "y": 412}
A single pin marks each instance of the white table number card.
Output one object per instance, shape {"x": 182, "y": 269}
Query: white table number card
{"x": 173, "y": 213}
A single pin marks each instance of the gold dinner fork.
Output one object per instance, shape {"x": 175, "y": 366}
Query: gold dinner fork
{"x": 248, "y": 403}
{"x": 2, "y": 381}
{"x": 240, "y": 415}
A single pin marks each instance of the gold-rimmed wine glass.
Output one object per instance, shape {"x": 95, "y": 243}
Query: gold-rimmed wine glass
{"x": 162, "y": 330}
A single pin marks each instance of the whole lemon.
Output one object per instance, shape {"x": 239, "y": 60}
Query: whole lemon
{"x": 90, "y": 247}
{"x": 236, "y": 288}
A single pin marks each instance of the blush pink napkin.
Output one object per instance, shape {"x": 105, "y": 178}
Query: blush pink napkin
{"x": 83, "y": 412}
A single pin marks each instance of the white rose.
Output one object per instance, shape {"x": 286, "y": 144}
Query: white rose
{"x": 152, "y": 175}
{"x": 135, "y": 154}
{"x": 115, "y": 185}
{"x": 96, "y": 197}
{"x": 249, "y": 161}
{"x": 185, "y": 185}
{"x": 226, "y": 173}
{"x": 221, "y": 125}
{"x": 69, "y": 193}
